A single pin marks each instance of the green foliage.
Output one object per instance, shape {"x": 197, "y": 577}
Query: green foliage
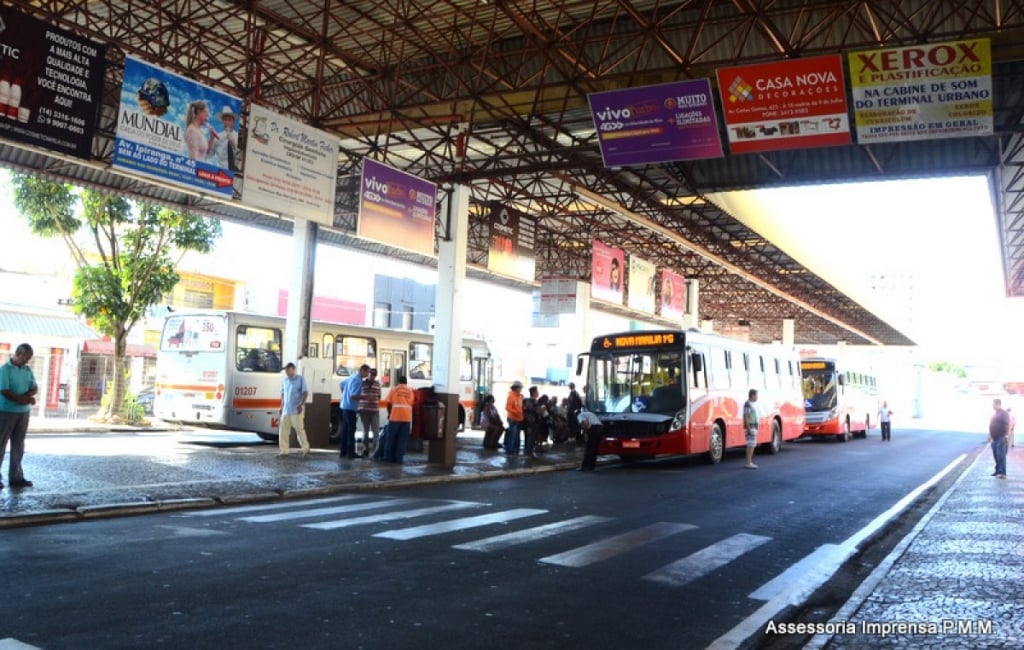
{"x": 132, "y": 411}
{"x": 126, "y": 253}
{"x": 130, "y": 266}
{"x": 945, "y": 366}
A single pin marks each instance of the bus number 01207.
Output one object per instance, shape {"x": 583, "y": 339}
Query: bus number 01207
{"x": 245, "y": 391}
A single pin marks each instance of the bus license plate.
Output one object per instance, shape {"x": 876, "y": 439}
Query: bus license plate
{"x": 630, "y": 444}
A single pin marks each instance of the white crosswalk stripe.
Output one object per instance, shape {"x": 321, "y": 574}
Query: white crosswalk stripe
{"x": 612, "y": 546}
{"x": 277, "y": 505}
{"x": 706, "y": 560}
{"x": 531, "y": 534}
{"x": 319, "y": 512}
{"x": 459, "y": 524}
{"x": 350, "y": 510}
{"x": 392, "y": 516}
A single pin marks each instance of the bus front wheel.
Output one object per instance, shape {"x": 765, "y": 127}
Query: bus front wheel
{"x": 775, "y": 446}
{"x": 716, "y": 446}
{"x": 845, "y": 435}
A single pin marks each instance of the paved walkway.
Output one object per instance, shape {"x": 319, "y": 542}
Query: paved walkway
{"x": 957, "y": 581}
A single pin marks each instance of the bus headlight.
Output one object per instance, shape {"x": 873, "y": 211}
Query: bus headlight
{"x": 679, "y": 421}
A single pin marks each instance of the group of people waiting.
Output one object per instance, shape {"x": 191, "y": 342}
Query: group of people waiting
{"x": 534, "y": 420}
{"x": 360, "y": 398}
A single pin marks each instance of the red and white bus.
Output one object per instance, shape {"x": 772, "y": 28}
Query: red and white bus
{"x": 671, "y": 392}
{"x": 223, "y": 368}
{"x": 839, "y": 401}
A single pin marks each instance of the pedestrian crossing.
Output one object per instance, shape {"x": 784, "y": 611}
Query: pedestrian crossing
{"x": 455, "y": 518}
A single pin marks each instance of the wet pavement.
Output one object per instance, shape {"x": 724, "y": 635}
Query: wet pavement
{"x": 956, "y": 581}
{"x": 133, "y": 470}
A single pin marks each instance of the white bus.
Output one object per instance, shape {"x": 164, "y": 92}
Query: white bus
{"x": 224, "y": 368}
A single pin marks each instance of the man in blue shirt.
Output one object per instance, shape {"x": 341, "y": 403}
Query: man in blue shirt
{"x": 293, "y": 398}
{"x": 350, "y": 390}
{"x": 17, "y": 395}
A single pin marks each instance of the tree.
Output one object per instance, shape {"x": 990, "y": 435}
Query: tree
{"x": 128, "y": 263}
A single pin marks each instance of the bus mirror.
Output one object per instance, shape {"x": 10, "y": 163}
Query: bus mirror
{"x": 579, "y": 366}
{"x": 697, "y": 362}
{"x": 842, "y": 380}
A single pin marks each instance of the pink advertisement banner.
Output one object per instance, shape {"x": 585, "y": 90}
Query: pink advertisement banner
{"x": 606, "y": 273}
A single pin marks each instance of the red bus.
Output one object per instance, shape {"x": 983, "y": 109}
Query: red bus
{"x": 672, "y": 392}
{"x": 839, "y": 402}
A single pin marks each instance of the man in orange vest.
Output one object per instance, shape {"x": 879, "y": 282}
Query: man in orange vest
{"x": 399, "y": 405}
{"x": 514, "y": 410}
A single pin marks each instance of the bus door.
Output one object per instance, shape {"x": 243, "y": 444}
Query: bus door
{"x": 392, "y": 365}
{"x": 701, "y": 409}
{"x": 484, "y": 383}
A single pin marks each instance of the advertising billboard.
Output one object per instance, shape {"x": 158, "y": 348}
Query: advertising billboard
{"x": 659, "y": 123}
{"x": 511, "y": 242}
{"x": 290, "y": 167}
{"x": 172, "y": 129}
{"x": 606, "y": 272}
{"x": 51, "y": 85}
{"x": 396, "y": 208}
{"x": 921, "y": 92}
{"x": 785, "y": 104}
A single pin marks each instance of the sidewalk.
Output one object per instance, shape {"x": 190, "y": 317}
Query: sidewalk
{"x": 956, "y": 581}
{"x": 132, "y": 470}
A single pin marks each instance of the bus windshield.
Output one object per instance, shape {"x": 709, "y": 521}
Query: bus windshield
{"x": 819, "y": 389}
{"x": 193, "y": 333}
{"x": 635, "y": 382}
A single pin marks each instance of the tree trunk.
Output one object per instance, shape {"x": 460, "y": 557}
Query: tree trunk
{"x": 119, "y": 381}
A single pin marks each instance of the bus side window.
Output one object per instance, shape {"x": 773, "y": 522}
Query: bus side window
{"x": 698, "y": 378}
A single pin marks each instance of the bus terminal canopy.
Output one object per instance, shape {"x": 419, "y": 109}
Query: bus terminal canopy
{"x": 496, "y": 96}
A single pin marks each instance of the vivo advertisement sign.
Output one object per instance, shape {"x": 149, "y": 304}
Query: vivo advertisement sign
{"x": 655, "y": 124}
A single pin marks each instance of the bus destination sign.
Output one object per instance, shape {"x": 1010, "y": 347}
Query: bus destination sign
{"x": 812, "y": 365}
{"x": 639, "y": 340}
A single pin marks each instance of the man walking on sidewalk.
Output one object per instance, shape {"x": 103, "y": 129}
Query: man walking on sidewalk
{"x": 998, "y": 428}
{"x": 293, "y": 398}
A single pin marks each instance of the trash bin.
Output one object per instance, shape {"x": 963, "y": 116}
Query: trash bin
{"x": 318, "y": 421}
{"x": 432, "y": 416}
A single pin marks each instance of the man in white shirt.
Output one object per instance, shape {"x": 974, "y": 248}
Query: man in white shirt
{"x": 293, "y": 398}
{"x": 594, "y": 430}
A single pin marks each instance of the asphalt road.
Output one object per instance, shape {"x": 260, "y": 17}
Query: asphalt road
{"x": 669, "y": 554}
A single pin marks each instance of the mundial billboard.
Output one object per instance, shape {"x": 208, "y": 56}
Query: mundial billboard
{"x": 655, "y": 124}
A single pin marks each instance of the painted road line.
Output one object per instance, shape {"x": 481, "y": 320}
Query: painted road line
{"x": 826, "y": 555}
{"x": 531, "y": 534}
{"x": 459, "y": 524}
{"x": 277, "y": 505}
{"x": 612, "y": 546}
{"x": 323, "y": 512}
{"x": 706, "y": 560}
{"x": 801, "y": 589}
{"x": 392, "y": 516}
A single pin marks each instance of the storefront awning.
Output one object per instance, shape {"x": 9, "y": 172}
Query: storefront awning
{"x": 106, "y": 346}
{"x": 27, "y": 324}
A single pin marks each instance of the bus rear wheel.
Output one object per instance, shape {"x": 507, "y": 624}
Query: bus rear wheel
{"x": 335, "y": 426}
{"x": 716, "y": 446}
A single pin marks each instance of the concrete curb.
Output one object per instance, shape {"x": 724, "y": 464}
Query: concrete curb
{"x": 132, "y": 508}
